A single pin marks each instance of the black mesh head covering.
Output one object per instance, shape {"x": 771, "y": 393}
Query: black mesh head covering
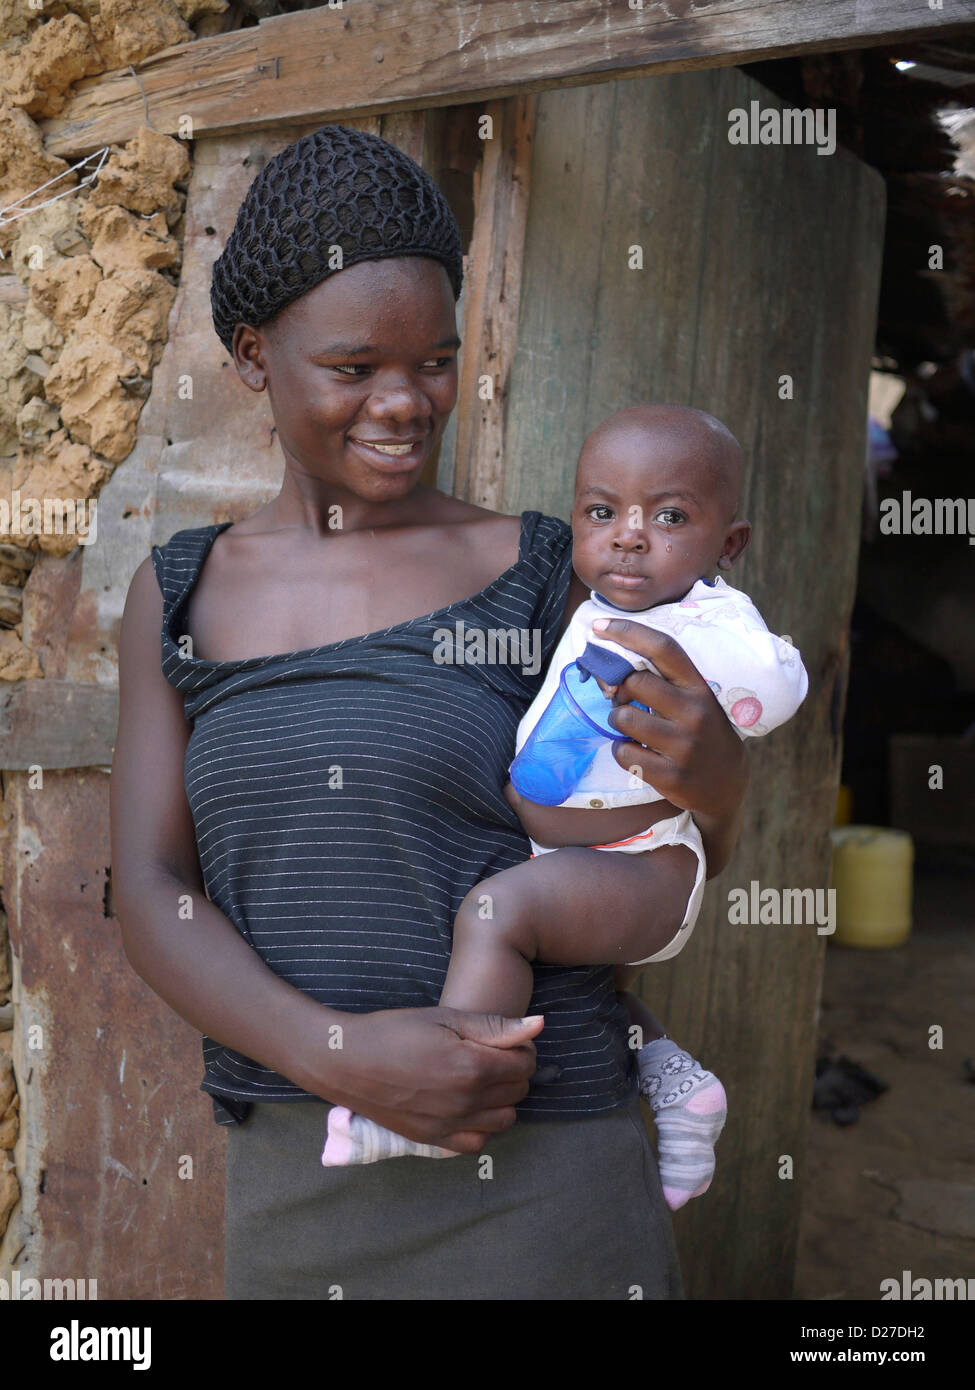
{"x": 334, "y": 187}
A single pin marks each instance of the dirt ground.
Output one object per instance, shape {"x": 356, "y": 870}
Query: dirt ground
{"x": 896, "y": 1190}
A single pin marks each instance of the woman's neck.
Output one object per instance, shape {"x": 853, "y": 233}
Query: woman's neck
{"x": 322, "y": 509}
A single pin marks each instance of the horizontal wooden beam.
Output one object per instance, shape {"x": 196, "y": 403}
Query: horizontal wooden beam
{"x": 56, "y": 724}
{"x": 373, "y": 56}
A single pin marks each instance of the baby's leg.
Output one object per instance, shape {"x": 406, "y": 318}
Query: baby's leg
{"x": 634, "y": 905}
{"x": 516, "y": 917}
{"x": 688, "y": 1102}
{"x": 644, "y": 1026}
{"x": 490, "y": 970}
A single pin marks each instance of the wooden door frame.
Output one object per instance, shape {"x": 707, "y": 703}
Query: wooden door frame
{"x": 355, "y": 58}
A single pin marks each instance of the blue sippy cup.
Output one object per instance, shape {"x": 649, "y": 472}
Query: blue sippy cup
{"x": 563, "y": 743}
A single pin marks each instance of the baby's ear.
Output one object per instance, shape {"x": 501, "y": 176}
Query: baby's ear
{"x": 739, "y": 534}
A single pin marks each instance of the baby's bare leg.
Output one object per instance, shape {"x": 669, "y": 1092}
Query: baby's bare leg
{"x": 636, "y": 906}
{"x": 648, "y": 1025}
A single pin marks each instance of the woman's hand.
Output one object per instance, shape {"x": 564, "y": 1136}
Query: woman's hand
{"x": 439, "y": 1076}
{"x": 689, "y": 751}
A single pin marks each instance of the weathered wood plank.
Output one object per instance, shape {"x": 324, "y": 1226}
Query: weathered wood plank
{"x": 759, "y": 262}
{"x": 185, "y": 79}
{"x": 56, "y": 724}
{"x": 375, "y": 56}
{"x": 106, "y": 1116}
{"x": 491, "y": 300}
{"x": 407, "y": 130}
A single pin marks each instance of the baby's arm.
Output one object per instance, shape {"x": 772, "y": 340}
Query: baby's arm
{"x": 759, "y": 678}
{"x": 555, "y": 826}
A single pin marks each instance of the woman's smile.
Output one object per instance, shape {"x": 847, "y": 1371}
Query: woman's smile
{"x": 391, "y": 456}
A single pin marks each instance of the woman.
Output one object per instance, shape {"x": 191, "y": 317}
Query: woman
{"x": 322, "y": 793}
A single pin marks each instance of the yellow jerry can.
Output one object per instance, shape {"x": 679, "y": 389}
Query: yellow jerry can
{"x": 873, "y": 875}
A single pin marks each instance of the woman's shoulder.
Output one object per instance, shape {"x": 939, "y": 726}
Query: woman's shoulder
{"x": 534, "y": 532}
{"x": 543, "y": 544}
{"x": 537, "y": 526}
{"x": 189, "y": 540}
{"x": 178, "y": 560}
{"x": 538, "y": 543}
{"x": 546, "y": 552}
{"x": 544, "y": 532}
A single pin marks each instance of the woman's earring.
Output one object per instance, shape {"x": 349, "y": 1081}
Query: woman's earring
{"x": 723, "y": 562}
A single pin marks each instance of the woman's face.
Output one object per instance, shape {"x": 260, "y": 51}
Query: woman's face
{"x": 362, "y": 374}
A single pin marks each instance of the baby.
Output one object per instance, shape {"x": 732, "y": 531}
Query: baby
{"x": 656, "y": 499}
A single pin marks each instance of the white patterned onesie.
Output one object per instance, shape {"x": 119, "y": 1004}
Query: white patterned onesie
{"x": 758, "y": 679}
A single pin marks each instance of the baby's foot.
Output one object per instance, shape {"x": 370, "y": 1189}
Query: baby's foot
{"x": 354, "y": 1139}
{"x": 689, "y": 1108}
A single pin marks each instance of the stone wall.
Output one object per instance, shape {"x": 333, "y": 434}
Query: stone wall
{"x": 86, "y": 283}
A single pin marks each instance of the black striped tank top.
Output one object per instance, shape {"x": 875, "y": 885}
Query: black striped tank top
{"x": 346, "y": 798}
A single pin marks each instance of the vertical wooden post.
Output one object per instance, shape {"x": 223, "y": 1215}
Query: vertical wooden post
{"x": 491, "y": 300}
{"x": 663, "y": 263}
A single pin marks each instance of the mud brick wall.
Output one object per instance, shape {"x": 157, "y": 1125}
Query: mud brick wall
{"x": 87, "y": 285}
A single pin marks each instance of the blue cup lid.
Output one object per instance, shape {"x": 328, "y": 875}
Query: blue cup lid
{"x": 590, "y": 703}
{"x": 588, "y": 700}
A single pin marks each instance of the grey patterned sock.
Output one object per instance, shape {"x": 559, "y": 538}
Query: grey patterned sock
{"x": 352, "y": 1139}
{"x": 689, "y": 1109}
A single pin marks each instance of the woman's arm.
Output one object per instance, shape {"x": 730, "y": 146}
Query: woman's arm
{"x": 427, "y": 1073}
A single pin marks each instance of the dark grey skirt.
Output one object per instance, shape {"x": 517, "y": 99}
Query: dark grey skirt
{"x": 563, "y": 1210}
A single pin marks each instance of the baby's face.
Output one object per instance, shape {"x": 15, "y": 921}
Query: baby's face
{"x": 649, "y": 518}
